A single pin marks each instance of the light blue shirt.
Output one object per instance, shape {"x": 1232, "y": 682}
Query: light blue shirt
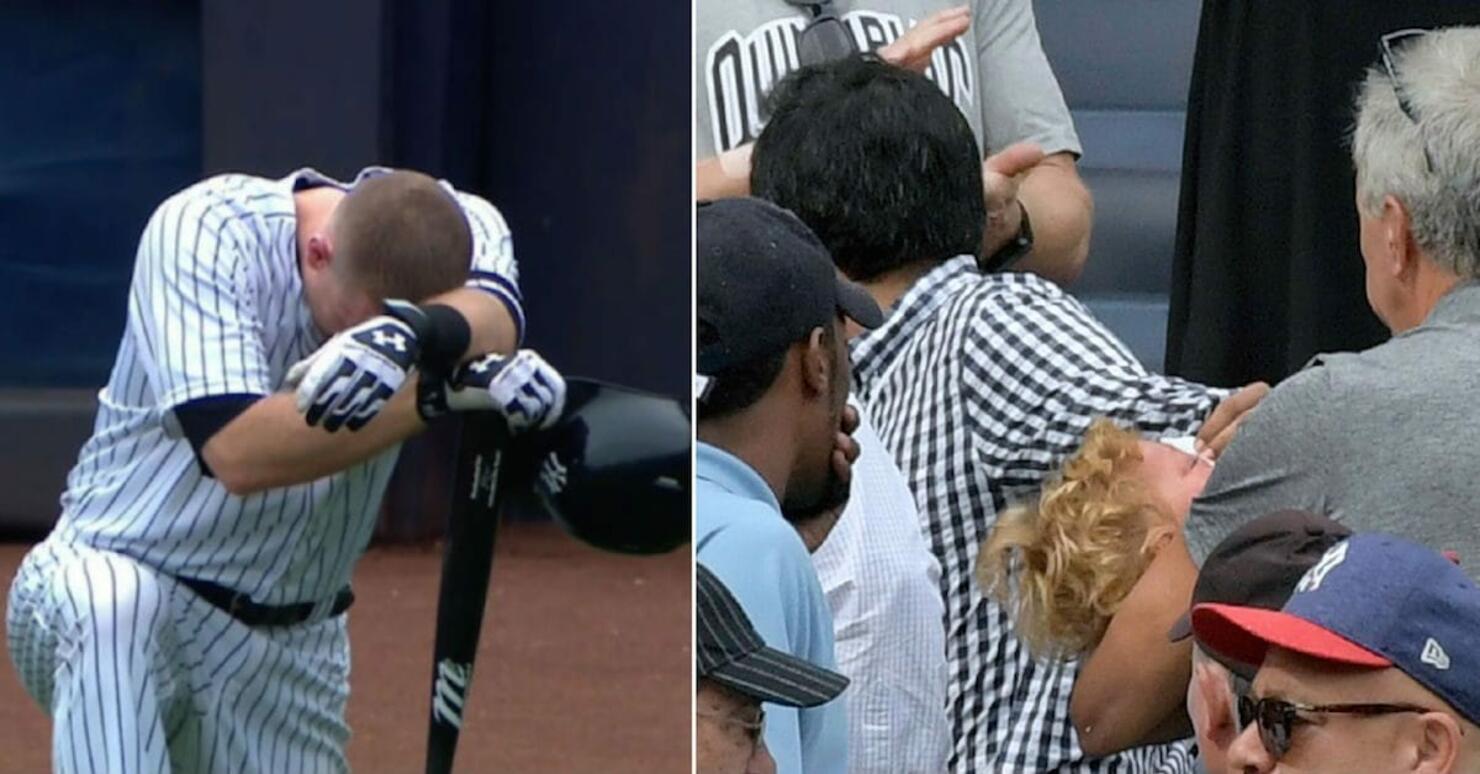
{"x": 742, "y": 538}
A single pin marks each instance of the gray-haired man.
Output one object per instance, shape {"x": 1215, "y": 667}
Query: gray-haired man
{"x": 1378, "y": 440}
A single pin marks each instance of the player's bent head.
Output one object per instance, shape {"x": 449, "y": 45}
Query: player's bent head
{"x": 877, "y": 161}
{"x": 401, "y": 235}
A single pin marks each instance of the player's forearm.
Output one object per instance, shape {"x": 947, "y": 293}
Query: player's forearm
{"x": 724, "y": 176}
{"x": 1132, "y": 689}
{"x": 1061, "y": 211}
{"x": 269, "y": 445}
{"x": 490, "y": 325}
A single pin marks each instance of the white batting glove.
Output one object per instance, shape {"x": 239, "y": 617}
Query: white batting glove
{"x": 529, "y": 392}
{"x": 349, "y": 379}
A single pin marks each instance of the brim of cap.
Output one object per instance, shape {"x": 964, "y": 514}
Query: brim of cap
{"x": 1246, "y": 634}
{"x": 858, "y": 305}
{"x": 780, "y": 678}
{"x": 1182, "y": 629}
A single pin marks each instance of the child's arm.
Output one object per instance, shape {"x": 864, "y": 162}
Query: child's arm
{"x": 1131, "y": 680}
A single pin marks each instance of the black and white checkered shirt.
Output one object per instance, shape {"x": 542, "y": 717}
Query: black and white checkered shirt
{"x": 981, "y": 385}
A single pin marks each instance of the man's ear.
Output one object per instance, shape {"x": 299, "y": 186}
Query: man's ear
{"x": 816, "y": 364}
{"x": 1438, "y": 748}
{"x": 320, "y": 254}
{"x": 1402, "y": 251}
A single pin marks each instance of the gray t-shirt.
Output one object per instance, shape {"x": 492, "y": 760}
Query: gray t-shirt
{"x": 996, "y": 72}
{"x": 1383, "y": 441}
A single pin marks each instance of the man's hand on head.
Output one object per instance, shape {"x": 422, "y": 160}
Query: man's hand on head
{"x": 913, "y": 49}
{"x": 1002, "y": 175}
{"x": 1223, "y": 423}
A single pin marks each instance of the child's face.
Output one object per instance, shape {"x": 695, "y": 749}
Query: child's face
{"x": 1174, "y": 476}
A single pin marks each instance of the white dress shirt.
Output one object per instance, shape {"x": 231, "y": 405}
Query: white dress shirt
{"x": 883, "y": 585}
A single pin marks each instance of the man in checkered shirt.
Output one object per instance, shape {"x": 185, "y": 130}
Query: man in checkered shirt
{"x": 979, "y": 383}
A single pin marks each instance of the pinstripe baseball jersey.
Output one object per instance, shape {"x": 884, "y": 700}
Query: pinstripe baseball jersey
{"x": 216, "y": 307}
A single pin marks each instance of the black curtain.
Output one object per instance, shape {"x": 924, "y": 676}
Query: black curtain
{"x": 573, "y": 119}
{"x": 1267, "y": 270}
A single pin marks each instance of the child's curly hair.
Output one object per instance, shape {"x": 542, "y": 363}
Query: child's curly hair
{"x": 1077, "y": 553}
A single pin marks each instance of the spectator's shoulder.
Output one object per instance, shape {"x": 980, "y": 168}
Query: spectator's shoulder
{"x": 750, "y": 527}
{"x": 1346, "y": 376}
{"x": 1301, "y": 408}
{"x": 991, "y": 296}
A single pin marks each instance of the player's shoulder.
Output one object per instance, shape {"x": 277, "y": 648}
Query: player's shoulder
{"x": 229, "y": 198}
{"x": 484, "y": 217}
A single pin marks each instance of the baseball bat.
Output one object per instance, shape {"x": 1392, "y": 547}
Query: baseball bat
{"x": 486, "y": 471}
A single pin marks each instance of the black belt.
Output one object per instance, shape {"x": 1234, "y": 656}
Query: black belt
{"x": 242, "y": 608}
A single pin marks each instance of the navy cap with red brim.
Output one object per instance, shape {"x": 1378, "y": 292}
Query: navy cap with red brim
{"x": 1247, "y": 633}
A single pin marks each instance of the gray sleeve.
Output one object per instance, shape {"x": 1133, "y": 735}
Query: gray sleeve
{"x": 1019, "y": 97}
{"x": 1277, "y": 460}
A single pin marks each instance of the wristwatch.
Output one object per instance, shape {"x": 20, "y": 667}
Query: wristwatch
{"x": 1017, "y": 247}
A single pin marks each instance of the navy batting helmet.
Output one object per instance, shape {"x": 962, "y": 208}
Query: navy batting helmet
{"x": 615, "y": 471}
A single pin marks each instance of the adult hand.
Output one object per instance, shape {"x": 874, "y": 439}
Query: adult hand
{"x": 1001, "y": 177}
{"x": 913, "y": 49}
{"x": 845, "y": 449}
{"x": 349, "y": 379}
{"x": 1221, "y": 425}
{"x": 528, "y": 391}
{"x": 816, "y": 522}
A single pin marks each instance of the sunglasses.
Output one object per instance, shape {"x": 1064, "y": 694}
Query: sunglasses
{"x": 826, "y": 38}
{"x": 1385, "y": 47}
{"x": 1277, "y": 718}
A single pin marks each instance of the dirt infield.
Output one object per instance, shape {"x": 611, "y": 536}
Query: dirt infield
{"x": 584, "y": 666}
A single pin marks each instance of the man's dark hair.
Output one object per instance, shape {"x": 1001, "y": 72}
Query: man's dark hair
{"x": 739, "y": 387}
{"x": 876, "y": 160}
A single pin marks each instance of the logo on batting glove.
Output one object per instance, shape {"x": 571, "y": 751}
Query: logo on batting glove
{"x": 391, "y": 339}
{"x": 528, "y": 391}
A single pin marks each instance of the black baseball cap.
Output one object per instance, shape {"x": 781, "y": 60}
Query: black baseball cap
{"x": 765, "y": 280}
{"x": 733, "y": 654}
{"x": 1259, "y": 564}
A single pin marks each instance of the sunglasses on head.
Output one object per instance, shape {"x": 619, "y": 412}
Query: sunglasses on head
{"x": 826, "y": 38}
{"x": 1278, "y": 718}
{"x": 1385, "y": 47}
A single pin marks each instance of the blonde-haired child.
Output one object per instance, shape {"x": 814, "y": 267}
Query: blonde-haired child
{"x": 1063, "y": 565}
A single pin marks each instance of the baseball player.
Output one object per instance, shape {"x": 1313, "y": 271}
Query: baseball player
{"x": 186, "y": 614}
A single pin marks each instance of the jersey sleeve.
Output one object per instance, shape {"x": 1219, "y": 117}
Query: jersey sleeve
{"x": 192, "y": 308}
{"x": 1019, "y": 96}
{"x": 494, "y": 270}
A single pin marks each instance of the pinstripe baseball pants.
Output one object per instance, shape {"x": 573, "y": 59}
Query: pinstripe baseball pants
{"x": 141, "y": 675}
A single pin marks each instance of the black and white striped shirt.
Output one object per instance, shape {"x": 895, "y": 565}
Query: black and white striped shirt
{"x": 216, "y": 307}
{"x": 981, "y": 385}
